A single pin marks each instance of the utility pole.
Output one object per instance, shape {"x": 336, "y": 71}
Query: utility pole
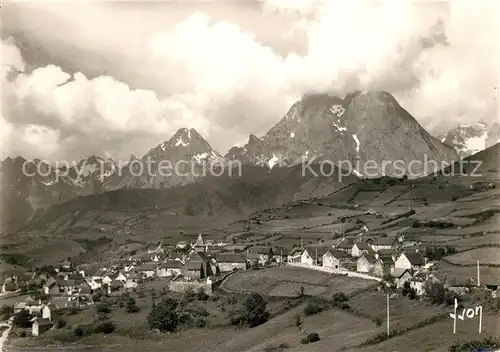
{"x": 301, "y": 244}
{"x": 316, "y": 256}
{"x": 455, "y": 316}
{"x": 478, "y": 275}
{"x": 388, "y": 315}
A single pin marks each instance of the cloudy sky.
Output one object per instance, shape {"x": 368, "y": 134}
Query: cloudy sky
{"x": 119, "y": 78}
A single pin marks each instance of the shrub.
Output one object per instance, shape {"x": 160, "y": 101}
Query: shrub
{"x": 73, "y": 311}
{"x": 338, "y": 299}
{"x": 310, "y": 338}
{"x": 131, "y": 306}
{"x": 314, "y": 306}
{"x": 201, "y": 295}
{"x": 82, "y": 330}
{"x": 436, "y": 292}
{"x": 106, "y": 327}
{"x": 279, "y": 348}
{"x": 60, "y": 323}
{"x": 103, "y": 308}
{"x": 487, "y": 344}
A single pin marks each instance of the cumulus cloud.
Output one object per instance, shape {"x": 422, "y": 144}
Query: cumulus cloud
{"x": 223, "y": 78}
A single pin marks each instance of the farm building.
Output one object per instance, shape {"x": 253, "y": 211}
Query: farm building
{"x": 227, "y": 262}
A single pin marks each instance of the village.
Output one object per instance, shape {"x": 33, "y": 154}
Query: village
{"x": 199, "y": 266}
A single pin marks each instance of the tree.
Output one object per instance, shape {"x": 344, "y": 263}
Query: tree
{"x": 406, "y": 288}
{"x": 23, "y": 319}
{"x": 254, "y": 312}
{"x": 165, "y": 315}
{"x": 436, "y": 292}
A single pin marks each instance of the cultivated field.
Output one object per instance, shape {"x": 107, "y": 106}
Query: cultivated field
{"x": 287, "y": 282}
{"x": 486, "y": 256}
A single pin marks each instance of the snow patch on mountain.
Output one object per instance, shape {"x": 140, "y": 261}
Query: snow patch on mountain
{"x": 357, "y": 142}
{"x": 181, "y": 142}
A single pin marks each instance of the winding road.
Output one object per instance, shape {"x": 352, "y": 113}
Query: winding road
{"x": 5, "y": 333}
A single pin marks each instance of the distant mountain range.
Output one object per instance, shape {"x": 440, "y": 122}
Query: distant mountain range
{"x": 471, "y": 139}
{"x": 360, "y": 128}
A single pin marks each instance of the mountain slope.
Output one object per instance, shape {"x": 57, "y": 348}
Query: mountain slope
{"x": 363, "y": 128}
{"x": 226, "y": 196}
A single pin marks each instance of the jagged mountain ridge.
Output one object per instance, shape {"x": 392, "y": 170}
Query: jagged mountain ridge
{"x": 361, "y": 128}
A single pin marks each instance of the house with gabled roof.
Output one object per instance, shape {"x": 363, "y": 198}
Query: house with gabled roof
{"x": 227, "y": 262}
{"x": 359, "y": 248}
{"x": 133, "y": 279}
{"x": 400, "y": 276}
{"x": 334, "y": 258}
{"x": 280, "y": 254}
{"x": 40, "y": 326}
{"x": 316, "y": 254}
{"x": 262, "y": 255}
{"x": 295, "y": 256}
{"x": 345, "y": 245}
{"x": 57, "y": 303}
{"x": 384, "y": 264}
{"x": 366, "y": 262}
{"x": 410, "y": 260}
{"x": 235, "y": 247}
{"x": 171, "y": 267}
{"x": 148, "y": 269}
{"x": 420, "y": 279}
{"x": 382, "y": 243}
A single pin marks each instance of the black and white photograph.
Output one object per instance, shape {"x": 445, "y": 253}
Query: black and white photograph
{"x": 250, "y": 176}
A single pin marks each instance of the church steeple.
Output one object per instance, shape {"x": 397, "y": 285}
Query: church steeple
{"x": 199, "y": 245}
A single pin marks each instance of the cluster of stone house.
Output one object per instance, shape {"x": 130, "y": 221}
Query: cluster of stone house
{"x": 41, "y": 312}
